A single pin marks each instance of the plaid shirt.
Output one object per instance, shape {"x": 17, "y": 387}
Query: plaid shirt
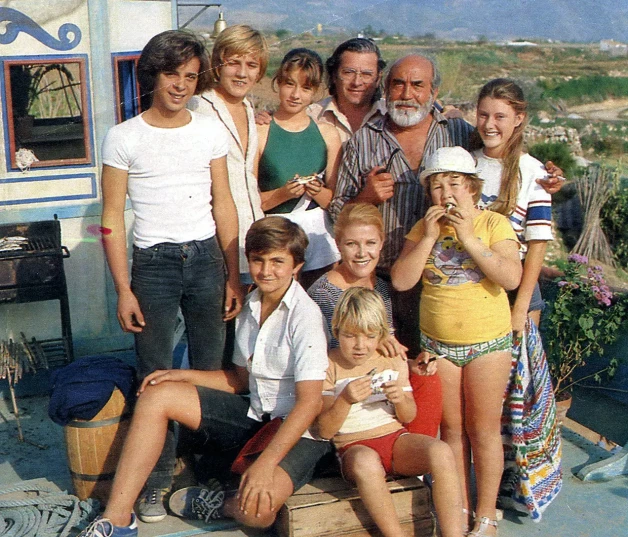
{"x": 371, "y": 146}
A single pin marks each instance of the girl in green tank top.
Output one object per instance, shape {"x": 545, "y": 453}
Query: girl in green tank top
{"x": 298, "y": 159}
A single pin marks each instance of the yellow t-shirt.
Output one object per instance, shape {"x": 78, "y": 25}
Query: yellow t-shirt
{"x": 459, "y": 304}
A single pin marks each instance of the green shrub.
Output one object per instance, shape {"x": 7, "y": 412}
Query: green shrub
{"x": 614, "y": 216}
{"x": 558, "y": 153}
{"x": 586, "y": 89}
{"x": 282, "y": 34}
{"x": 582, "y": 319}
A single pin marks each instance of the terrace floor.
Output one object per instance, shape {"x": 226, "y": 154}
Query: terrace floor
{"x": 583, "y": 509}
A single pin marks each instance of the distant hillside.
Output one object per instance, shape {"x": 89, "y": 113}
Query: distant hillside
{"x": 564, "y": 20}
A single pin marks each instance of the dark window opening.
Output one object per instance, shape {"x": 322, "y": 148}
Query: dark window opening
{"x": 129, "y": 101}
{"x": 46, "y": 111}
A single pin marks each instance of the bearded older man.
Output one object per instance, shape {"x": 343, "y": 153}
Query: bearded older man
{"x": 382, "y": 164}
{"x": 382, "y": 160}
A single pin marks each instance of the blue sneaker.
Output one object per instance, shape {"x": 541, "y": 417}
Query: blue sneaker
{"x": 102, "y": 527}
{"x": 197, "y": 503}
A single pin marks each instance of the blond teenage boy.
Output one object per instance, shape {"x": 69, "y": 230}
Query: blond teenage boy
{"x": 238, "y": 61}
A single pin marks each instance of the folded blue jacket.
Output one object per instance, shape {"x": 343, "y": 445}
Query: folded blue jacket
{"x": 81, "y": 389}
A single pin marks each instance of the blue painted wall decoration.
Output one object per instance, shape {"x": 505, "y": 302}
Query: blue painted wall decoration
{"x": 18, "y": 22}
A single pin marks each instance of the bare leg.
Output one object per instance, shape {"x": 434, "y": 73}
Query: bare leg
{"x": 535, "y": 316}
{"x": 363, "y": 466}
{"x": 417, "y": 454}
{"x": 485, "y": 381}
{"x": 452, "y": 427}
{"x": 176, "y": 401}
{"x": 283, "y": 490}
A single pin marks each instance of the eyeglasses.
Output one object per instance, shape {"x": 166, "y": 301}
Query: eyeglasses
{"x": 349, "y": 75}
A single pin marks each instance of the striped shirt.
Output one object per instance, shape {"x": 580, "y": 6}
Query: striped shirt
{"x": 326, "y": 295}
{"x": 371, "y": 146}
{"x": 532, "y": 217}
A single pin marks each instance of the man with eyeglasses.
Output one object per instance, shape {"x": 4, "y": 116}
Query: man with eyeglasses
{"x": 382, "y": 162}
{"x": 354, "y": 72}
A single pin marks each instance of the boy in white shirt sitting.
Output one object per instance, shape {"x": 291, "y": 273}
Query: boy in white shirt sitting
{"x": 280, "y": 358}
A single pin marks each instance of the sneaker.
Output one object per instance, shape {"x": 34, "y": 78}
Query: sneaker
{"x": 150, "y": 507}
{"x": 197, "y": 503}
{"x": 102, "y": 527}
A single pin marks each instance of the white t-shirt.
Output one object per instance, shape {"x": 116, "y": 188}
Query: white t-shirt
{"x": 532, "y": 217}
{"x": 169, "y": 181}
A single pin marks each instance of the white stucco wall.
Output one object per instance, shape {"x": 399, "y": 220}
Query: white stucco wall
{"x": 146, "y": 19}
{"x": 126, "y": 26}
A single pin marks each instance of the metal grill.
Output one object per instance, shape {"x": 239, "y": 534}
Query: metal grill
{"x": 31, "y": 270}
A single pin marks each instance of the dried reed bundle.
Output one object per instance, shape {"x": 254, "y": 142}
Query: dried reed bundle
{"x": 594, "y": 189}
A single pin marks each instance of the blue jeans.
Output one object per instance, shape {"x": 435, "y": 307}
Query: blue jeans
{"x": 536, "y": 302}
{"x": 164, "y": 277}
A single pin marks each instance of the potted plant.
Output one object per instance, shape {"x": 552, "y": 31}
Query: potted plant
{"x": 27, "y": 84}
{"x": 583, "y": 318}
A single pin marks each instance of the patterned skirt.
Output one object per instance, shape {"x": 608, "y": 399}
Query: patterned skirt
{"x": 530, "y": 433}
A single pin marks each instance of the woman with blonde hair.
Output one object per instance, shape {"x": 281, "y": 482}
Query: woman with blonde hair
{"x": 359, "y": 232}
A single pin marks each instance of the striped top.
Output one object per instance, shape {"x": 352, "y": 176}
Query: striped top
{"x": 326, "y": 296}
{"x": 371, "y": 146}
{"x": 532, "y": 217}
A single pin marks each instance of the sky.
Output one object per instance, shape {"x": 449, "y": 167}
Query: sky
{"x": 579, "y": 20}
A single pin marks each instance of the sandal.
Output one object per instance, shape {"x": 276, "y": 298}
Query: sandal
{"x": 485, "y": 523}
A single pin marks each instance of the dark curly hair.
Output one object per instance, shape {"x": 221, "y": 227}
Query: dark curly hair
{"x": 357, "y": 44}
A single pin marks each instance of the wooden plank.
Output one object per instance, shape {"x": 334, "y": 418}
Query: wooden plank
{"x": 334, "y": 489}
{"x": 331, "y": 507}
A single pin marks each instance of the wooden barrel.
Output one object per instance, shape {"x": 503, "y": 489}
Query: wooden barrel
{"x": 94, "y": 446}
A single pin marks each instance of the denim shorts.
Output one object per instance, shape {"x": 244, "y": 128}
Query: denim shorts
{"x": 226, "y": 426}
{"x": 536, "y": 302}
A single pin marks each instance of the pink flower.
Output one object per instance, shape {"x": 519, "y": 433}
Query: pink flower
{"x": 577, "y": 258}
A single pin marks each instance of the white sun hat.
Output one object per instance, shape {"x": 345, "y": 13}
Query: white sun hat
{"x": 448, "y": 159}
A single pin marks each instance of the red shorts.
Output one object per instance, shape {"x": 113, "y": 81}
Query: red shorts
{"x": 382, "y": 445}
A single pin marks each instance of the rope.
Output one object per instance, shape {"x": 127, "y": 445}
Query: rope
{"x": 48, "y": 513}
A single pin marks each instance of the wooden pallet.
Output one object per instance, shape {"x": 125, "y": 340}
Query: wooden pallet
{"x": 330, "y": 507}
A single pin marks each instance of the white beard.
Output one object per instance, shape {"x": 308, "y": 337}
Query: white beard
{"x": 405, "y": 118}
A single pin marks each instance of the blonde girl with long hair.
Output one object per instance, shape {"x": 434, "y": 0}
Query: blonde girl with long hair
{"x": 510, "y": 187}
